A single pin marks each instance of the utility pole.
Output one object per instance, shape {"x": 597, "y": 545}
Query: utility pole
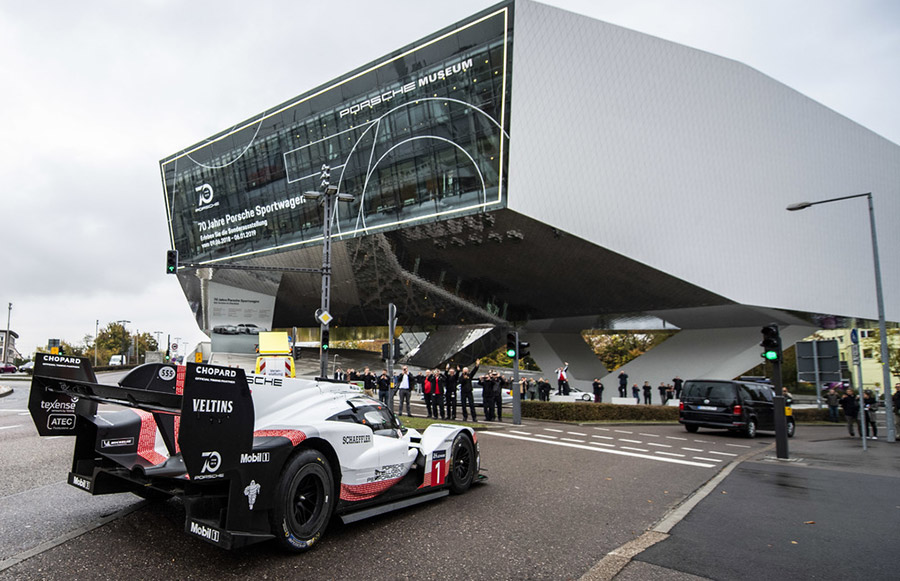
{"x": 6, "y": 341}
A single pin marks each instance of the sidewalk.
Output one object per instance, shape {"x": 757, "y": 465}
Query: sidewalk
{"x": 830, "y": 511}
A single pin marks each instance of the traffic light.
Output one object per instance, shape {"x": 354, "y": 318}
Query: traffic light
{"x": 326, "y": 176}
{"x": 171, "y": 262}
{"x": 771, "y": 343}
{"x": 168, "y": 355}
{"x": 398, "y": 352}
{"x": 523, "y": 349}
{"x": 385, "y": 351}
{"x": 325, "y": 338}
{"x": 511, "y": 345}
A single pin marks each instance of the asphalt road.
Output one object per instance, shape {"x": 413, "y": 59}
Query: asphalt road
{"x": 558, "y": 499}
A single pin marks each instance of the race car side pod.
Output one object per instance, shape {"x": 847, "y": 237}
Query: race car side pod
{"x": 217, "y": 420}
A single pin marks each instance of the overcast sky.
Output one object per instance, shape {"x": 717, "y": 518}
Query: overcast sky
{"x": 94, "y": 94}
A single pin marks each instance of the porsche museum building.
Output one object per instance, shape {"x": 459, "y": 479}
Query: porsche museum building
{"x": 529, "y": 167}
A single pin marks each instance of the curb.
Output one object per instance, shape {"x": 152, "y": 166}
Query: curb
{"x": 5, "y": 391}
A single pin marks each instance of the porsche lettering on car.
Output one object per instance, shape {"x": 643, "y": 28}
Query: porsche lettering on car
{"x": 252, "y": 460}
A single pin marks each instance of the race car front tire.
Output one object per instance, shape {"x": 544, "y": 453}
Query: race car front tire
{"x": 304, "y": 501}
{"x": 462, "y": 468}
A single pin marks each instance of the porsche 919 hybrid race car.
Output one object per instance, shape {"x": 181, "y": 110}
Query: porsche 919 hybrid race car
{"x": 252, "y": 457}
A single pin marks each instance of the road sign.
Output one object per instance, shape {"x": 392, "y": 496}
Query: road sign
{"x": 854, "y": 352}
{"x": 174, "y": 347}
{"x": 323, "y": 316}
{"x": 818, "y": 361}
{"x": 854, "y": 336}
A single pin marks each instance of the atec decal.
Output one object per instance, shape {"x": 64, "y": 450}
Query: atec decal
{"x": 60, "y": 421}
{"x": 213, "y": 406}
{"x": 81, "y": 482}
{"x": 204, "y": 531}
{"x": 255, "y": 458}
{"x": 167, "y": 373}
{"x": 251, "y": 492}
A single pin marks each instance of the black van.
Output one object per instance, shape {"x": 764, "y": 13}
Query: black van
{"x": 739, "y": 406}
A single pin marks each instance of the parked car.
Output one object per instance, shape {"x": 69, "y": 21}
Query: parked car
{"x": 575, "y": 394}
{"x": 7, "y": 368}
{"x": 27, "y": 367}
{"x": 248, "y": 329}
{"x": 738, "y": 406}
{"x": 225, "y": 329}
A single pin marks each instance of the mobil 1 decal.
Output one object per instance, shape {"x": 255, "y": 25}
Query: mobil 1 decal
{"x": 216, "y": 420}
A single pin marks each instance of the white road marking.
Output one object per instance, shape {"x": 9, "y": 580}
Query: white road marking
{"x": 649, "y": 435}
{"x": 707, "y": 459}
{"x": 702, "y": 441}
{"x": 722, "y": 453}
{"x": 692, "y": 449}
{"x": 13, "y": 410}
{"x": 603, "y": 437}
{"x": 554, "y": 430}
{"x": 623, "y": 431}
{"x": 635, "y": 449}
{"x": 630, "y": 441}
{"x": 545, "y": 436}
{"x": 572, "y": 440}
{"x": 660, "y": 445}
{"x": 670, "y": 454}
{"x": 10, "y": 427}
{"x": 737, "y": 445}
{"x": 603, "y": 450}
{"x": 603, "y": 444}
{"x": 517, "y": 432}
{"x": 603, "y": 429}
{"x": 676, "y": 438}
{"x": 576, "y": 434}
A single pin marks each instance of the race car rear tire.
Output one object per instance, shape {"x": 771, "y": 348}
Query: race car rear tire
{"x": 304, "y": 501}
{"x": 462, "y": 468}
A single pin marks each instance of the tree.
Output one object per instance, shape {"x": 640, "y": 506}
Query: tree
{"x": 616, "y": 349}
{"x": 873, "y": 342}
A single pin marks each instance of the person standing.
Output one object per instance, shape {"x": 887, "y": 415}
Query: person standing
{"x": 384, "y": 387}
{"x": 636, "y": 393}
{"x": 437, "y": 398}
{"x": 369, "y": 382}
{"x": 543, "y": 389}
{"x": 598, "y": 390}
{"x": 896, "y": 400}
{"x": 662, "y": 393}
{"x": 677, "y": 383}
{"x": 532, "y": 389}
{"x": 869, "y": 404}
{"x": 503, "y": 384}
{"x": 428, "y": 388}
{"x": 833, "y": 400}
{"x": 648, "y": 392}
{"x": 451, "y": 380}
{"x": 404, "y": 389}
{"x": 562, "y": 379}
{"x": 623, "y": 384}
{"x": 850, "y": 404}
{"x": 487, "y": 395}
{"x": 465, "y": 392}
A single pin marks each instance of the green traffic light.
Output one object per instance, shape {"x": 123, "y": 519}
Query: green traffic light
{"x": 770, "y": 355}
{"x": 511, "y": 353}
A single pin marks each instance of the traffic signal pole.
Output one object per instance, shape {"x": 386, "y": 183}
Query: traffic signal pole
{"x": 773, "y": 352}
{"x": 517, "y": 392}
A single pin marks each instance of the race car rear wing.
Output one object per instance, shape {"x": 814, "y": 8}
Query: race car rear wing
{"x": 213, "y": 415}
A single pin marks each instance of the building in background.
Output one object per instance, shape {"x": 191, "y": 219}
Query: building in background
{"x": 8, "y": 351}
{"x": 535, "y": 168}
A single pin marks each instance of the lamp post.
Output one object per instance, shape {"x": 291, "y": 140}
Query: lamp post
{"x": 328, "y": 196}
{"x": 96, "y": 334}
{"x": 882, "y": 327}
{"x": 6, "y": 341}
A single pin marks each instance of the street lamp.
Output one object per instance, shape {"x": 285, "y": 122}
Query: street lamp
{"x": 328, "y": 196}
{"x": 885, "y": 354}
